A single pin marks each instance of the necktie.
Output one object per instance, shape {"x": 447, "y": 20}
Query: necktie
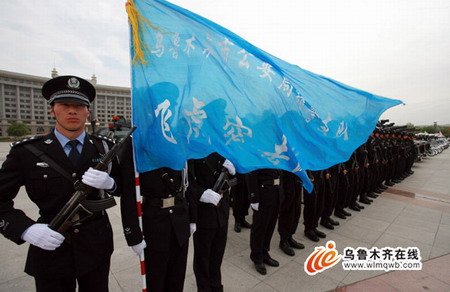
{"x": 73, "y": 154}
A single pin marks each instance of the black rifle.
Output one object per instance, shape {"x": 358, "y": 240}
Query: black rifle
{"x": 387, "y": 126}
{"x": 223, "y": 182}
{"x": 68, "y": 215}
{"x": 382, "y": 122}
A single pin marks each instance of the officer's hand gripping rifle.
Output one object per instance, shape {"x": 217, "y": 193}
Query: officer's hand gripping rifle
{"x": 67, "y": 216}
{"x": 223, "y": 182}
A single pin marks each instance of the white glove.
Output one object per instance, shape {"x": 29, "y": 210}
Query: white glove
{"x": 255, "y": 206}
{"x": 42, "y": 236}
{"x": 229, "y": 166}
{"x": 139, "y": 248}
{"x": 98, "y": 179}
{"x": 210, "y": 196}
{"x": 193, "y": 228}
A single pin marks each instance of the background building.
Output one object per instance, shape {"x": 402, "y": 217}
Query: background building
{"x": 21, "y": 100}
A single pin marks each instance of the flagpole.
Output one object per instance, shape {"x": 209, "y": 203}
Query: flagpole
{"x": 139, "y": 213}
{"x": 134, "y": 17}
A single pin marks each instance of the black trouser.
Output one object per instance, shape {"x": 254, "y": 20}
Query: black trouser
{"x": 263, "y": 226}
{"x": 166, "y": 270}
{"x": 355, "y": 186}
{"x": 290, "y": 211}
{"x": 343, "y": 192}
{"x": 329, "y": 197}
{"x": 94, "y": 281}
{"x": 361, "y": 178}
{"x": 313, "y": 205}
{"x": 241, "y": 203}
{"x": 209, "y": 248}
{"x": 373, "y": 177}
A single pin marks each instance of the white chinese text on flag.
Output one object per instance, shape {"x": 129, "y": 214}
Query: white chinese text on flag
{"x": 203, "y": 89}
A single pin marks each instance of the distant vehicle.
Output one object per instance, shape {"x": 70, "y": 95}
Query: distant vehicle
{"x": 117, "y": 129}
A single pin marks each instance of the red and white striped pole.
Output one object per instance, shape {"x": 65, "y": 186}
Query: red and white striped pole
{"x": 139, "y": 212}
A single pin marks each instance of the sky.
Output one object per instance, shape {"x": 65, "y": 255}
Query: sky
{"x": 394, "y": 48}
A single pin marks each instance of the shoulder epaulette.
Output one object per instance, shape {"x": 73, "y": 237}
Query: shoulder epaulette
{"x": 105, "y": 138}
{"x": 25, "y": 140}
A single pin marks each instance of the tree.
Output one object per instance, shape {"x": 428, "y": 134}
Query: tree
{"x": 445, "y": 131}
{"x": 18, "y": 129}
{"x": 429, "y": 129}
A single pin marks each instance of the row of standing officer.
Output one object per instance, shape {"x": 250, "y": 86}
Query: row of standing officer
{"x": 385, "y": 159}
{"x": 172, "y": 208}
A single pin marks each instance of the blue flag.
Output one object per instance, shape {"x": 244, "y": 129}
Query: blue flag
{"x": 204, "y": 89}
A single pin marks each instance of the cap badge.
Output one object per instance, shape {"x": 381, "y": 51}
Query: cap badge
{"x": 73, "y": 83}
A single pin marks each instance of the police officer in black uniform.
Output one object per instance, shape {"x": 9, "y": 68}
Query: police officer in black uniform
{"x": 58, "y": 262}
{"x": 314, "y": 206}
{"x": 266, "y": 192}
{"x": 240, "y": 204}
{"x": 167, "y": 223}
{"x": 330, "y": 197}
{"x": 212, "y": 212}
{"x": 290, "y": 212}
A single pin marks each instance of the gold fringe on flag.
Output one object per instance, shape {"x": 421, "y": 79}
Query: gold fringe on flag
{"x": 137, "y": 21}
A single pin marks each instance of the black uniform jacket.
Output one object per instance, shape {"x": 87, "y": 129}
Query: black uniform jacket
{"x": 159, "y": 224}
{"x": 261, "y": 185}
{"x": 203, "y": 174}
{"x": 91, "y": 242}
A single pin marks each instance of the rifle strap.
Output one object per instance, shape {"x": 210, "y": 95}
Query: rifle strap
{"x": 49, "y": 161}
{"x": 99, "y": 205}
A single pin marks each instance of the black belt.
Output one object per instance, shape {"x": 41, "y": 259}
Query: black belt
{"x": 272, "y": 182}
{"x": 162, "y": 202}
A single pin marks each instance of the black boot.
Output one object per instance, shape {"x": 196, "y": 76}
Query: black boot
{"x": 319, "y": 233}
{"x": 365, "y": 200}
{"x": 389, "y": 183}
{"x": 268, "y": 260}
{"x": 339, "y": 214}
{"x": 325, "y": 223}
{"x": 346, "y": 213}
{"x": 294, "y": 243}
{"x": 237, "y": 226}
{"x": 286, "y": 248}
{"x": 354, "y": 207}
{"x": 333, "y": 222}
{"x": 261, "y": 268}
{"x": 311, "y": 235}
{"x": 359, "y": 206}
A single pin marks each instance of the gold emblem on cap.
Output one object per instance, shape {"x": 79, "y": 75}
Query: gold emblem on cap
{"x": 73, "y": 83}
